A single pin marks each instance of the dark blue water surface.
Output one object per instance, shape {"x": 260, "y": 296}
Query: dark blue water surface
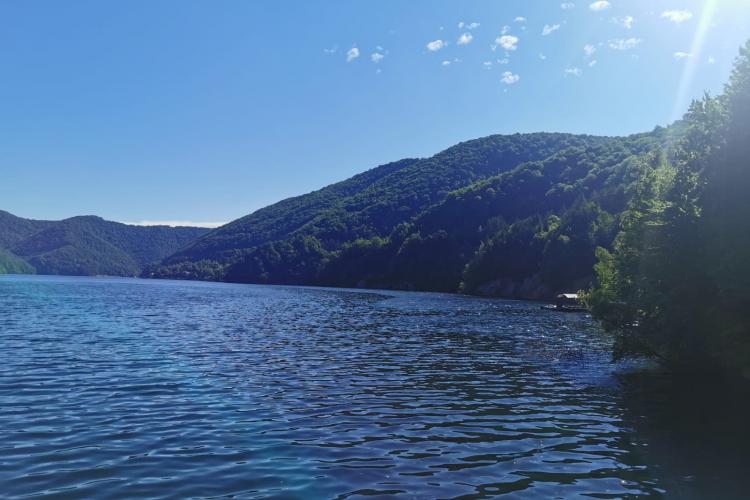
{"x": 113, "y": 388}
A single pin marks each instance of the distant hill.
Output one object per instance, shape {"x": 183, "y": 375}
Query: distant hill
{"x": 86, "y": 245}
{"x": 425, "y": 223}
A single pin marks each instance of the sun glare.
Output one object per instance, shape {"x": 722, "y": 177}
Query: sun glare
{"x": 694, "y": 57}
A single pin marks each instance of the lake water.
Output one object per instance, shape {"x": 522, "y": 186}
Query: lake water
{"x": 114, "y": 388}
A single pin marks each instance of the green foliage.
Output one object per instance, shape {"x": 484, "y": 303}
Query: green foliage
{"x": 88, "y": 245}
{"x": 677, "y": 284}
{"x": 366, "y": 206}
{"x": 12, "y": 264}
{"x": 416, "y": 224}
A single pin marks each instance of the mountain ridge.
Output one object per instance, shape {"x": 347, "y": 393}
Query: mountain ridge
{"x": 310, "y": 239}
{"x": 86, "y": 245}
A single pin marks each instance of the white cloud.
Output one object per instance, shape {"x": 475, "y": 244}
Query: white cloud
{"x": 573, "y": 71}
{"x": 505, "y": 30}
{"x": 567, "y": 5}
{"x": 468, "y": 26}
{"x": 542, "y": 56}
{"x": 509, "y": 78}
{"x": 624, "y": 43}
{"x": 436, "y": 45}
{"x": 677, "y": 16}
{"x": 376, "y": 57}
{"x": 711, "y": 60}
{"x": 332, "y": 50}
{"x": 549, "y": 29}
{"x": 589, "y": 50}
{"x": 592, "y": 63}
{"x": 625, "y": 22}
{"x": 465, "y": 39}
{"x": 503, "y": 61}
{"x": 600, "y": 5}
{"x": 682, "y": 55}
{"x": 520, "y": 19}
{"x": 352, "y": 54}
{"x": 508, "y": 42}
{"x": 487, "y": 64}
{"x": 446, "y": 63}
{"x": 175, "y": 223}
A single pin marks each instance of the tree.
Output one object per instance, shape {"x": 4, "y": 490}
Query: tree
{"x": 677, "y": 284}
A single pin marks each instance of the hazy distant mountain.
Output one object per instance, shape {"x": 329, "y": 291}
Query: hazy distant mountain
{"x": 418, "y": 223}
{"x": 86, "y": 245}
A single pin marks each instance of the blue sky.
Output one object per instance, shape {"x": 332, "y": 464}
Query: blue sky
{"x": 207, "y": 110}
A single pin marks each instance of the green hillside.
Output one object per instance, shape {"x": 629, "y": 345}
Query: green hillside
{"x": 86, "y": 245}
{"x": 12, "y": 264}
{"x": 291, "y": 241}
{"x": 530, "y": 232}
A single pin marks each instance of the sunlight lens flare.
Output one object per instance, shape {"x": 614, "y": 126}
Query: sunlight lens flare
{"x": 693, "y": 59}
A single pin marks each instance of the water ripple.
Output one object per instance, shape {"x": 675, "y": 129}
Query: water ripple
{"x": 114, "y": 388}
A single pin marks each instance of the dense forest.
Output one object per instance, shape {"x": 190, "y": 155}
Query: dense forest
{"x": 512, "y": 216}
{"x": 85, "y": 246}
{"x": 290, "y": 241}
{"x": 676, "y": 283}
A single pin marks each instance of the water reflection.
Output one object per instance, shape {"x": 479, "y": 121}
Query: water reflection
{"x": 691, "y": 432}
{"x": 126, "y": 388}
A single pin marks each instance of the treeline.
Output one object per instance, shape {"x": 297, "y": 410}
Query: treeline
{"x": 676, "y": 285}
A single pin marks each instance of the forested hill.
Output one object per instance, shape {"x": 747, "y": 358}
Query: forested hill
{"x": 422, "y": 224}
{"x": 367, "y": 205}
{"x": 86, "y": 245}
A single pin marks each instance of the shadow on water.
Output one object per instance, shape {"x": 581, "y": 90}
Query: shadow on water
{"x": 690, "y": 431}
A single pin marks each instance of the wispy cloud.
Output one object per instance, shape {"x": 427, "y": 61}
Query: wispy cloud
{"x": 624, "y": 43}
{"x": 352, "y": 54}
{"x": 176, "y": 223}
{"x": 677, "y": 16}
{"x": 592, "y": 63}
{"x": 520, "y": 19}
{"x": 550, "y": 29}
{"x": 509, "y": 78}
{"x": 332, "y": 50}
{"x": 487, "y": 64}
{"x": 567, "y": 6}
{"x": 542, "y": 57}
{"x": 711, "y": 60}
{"x": 507, "y": 42}
{"x": 600, "y": 5}
{"x": 589, "y": 50}
{"x": 465, "y": 39}
{"x": 573, "y": 71}
{"x": 376, "y": 57}
{"x": 682, "y": 55}
{"x": 625, "y": 22}
{"x": 469, "y": 26}
{"x": 436, "y": 45}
